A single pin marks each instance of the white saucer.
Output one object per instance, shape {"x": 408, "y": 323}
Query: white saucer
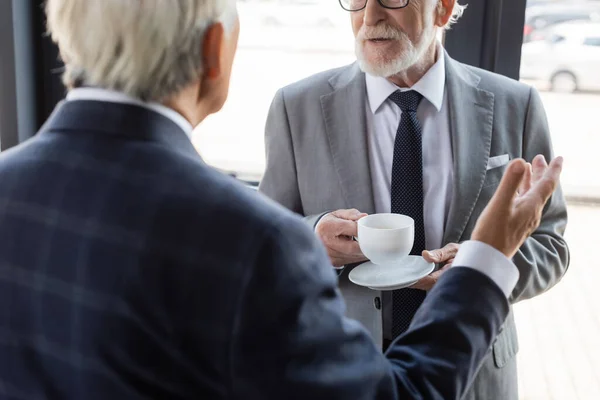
{"x": 391, "y": 276}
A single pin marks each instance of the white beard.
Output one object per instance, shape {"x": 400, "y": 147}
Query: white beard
{"x": 386, "y": 68}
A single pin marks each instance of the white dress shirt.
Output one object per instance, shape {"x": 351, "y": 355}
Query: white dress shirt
{"x": 111, "y": 96}
{"x": 383, "y": 119}
{"x": 490, "y": 262}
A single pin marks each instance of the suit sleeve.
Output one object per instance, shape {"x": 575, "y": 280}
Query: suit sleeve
{"x": 544, "y": 258}
{"x": 280, "y": 181}
{"x": 292, "y": 341}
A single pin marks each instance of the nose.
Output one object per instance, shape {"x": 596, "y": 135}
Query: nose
{"x": 374, "y": 13}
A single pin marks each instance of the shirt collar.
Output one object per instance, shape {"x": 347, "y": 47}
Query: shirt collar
{"x": 112, "y": 96}
{"x": 431, "y": 86}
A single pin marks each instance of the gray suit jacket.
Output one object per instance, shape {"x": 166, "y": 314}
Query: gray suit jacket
{"x": 317, "y": 161}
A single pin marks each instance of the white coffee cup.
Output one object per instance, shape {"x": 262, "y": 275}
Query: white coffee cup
{"x": 386, "y": 238}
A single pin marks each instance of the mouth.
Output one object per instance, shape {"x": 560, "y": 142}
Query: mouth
{"x": 379, "y": 40}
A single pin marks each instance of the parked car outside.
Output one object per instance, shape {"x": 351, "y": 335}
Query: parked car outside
{"x": 540, "y": 17}
{"x": 567, "y": 57}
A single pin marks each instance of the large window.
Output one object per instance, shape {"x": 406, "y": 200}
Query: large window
{"x": 559, "y": 357}
{"x": 280, "y": 42}
{"x": 563, "y": 61}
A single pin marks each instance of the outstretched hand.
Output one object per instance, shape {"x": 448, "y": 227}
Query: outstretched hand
{"x": 515, "y": 211}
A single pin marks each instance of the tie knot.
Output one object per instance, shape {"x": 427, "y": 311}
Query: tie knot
{"x": 407, "y": 101}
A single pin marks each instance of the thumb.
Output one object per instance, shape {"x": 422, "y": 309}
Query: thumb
{"x": 432, "y": 255}
{"x": 509, "y": 185}
{"x": 351, "y": 215}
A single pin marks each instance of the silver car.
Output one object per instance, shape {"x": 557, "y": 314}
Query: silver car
{"x": 566, "y": 58}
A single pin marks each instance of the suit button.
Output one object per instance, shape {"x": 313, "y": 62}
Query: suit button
{"x": 377, "y": 302}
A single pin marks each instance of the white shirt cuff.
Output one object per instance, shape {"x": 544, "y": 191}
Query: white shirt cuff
{"x": 490, "y": 262}
{"x": 320, "y": 220}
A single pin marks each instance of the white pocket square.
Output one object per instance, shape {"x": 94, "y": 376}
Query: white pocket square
{"x": 498, "y": 161}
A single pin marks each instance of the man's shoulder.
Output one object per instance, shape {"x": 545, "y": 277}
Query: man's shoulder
{"x": 210, "y": 195}
{"x": 499, "y": 84}
{"x": 317, "y": 84}
{"x": 181, "y": 185}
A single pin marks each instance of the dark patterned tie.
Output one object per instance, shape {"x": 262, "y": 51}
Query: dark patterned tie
{"x": 407, "y": 198}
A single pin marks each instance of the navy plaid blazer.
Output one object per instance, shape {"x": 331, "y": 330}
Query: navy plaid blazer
{"x": 131, "y": 270}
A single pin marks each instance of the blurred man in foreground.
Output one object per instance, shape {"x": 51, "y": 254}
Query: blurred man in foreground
{"x": 129, "y": 269}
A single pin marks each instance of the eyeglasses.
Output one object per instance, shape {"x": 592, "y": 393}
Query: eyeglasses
{"x": 358, "y": 5}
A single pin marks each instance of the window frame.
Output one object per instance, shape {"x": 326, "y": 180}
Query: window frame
{"x": 494, "y": 31}
{"x": 17, "y": 83}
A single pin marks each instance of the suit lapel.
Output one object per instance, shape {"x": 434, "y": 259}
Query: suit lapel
{"x": 471, "y": 121}
{"x": 346, "y": 127}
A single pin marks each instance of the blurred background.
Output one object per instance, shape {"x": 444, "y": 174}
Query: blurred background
{"x": 552, "y": 45}
{"x": 283, "y": 41}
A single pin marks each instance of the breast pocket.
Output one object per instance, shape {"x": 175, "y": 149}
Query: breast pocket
{"x": 493, "y": 177}
{"x": 495, "y": 170}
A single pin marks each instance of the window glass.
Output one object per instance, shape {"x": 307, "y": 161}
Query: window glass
{"x": 556, "y": 38}
{"x": 280, "y": 42}
{"x": 557, "y": 330}
{"x": 592, "y": 41}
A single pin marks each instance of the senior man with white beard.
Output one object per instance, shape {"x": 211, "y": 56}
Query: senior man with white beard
{"x": 407, "y": 129}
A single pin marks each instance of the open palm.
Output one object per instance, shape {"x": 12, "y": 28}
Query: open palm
{"x": 515, "y": 211}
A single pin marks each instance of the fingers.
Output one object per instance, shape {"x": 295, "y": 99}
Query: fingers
{"x": 551, "y": 179}
{"x": 346, "y": 228}
{"x": 429, "y": 281}
{"x": 336, "y": 231}
{"x": 547, "y": 182}
{"x": 449, "y": 263}
{"x": 346, "y": 246}
{"x": 442, "y": 255}
{"x": 527, "y": 180}
{"x": 529, "y": 212}
{"x": 333, "y": 225}
{"x": 506, "y": 223}
{"x": 437, "y": 274}
{"x": 351, "y": 215}
{"x": 344, "y": 222}
{"x": 507, "y": 190}
{"x": 539, "y": 167}
{"x": 424, "y": 284}
{"x": 343, "y": 250}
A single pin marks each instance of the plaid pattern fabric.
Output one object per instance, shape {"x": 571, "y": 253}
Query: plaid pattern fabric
{"x": 118, "y": 256}
{"x": 131, "y": 270}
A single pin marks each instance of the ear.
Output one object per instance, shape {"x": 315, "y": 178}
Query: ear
{"x": 212, "y": 49}
{"x": 444, "y": 12}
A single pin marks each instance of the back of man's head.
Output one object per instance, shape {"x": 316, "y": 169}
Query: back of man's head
{"x": 148, "y": 49}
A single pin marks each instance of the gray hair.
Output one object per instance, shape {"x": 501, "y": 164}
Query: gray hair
{"x": 148, "y": 49}
{"x": 457, "y": 12}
